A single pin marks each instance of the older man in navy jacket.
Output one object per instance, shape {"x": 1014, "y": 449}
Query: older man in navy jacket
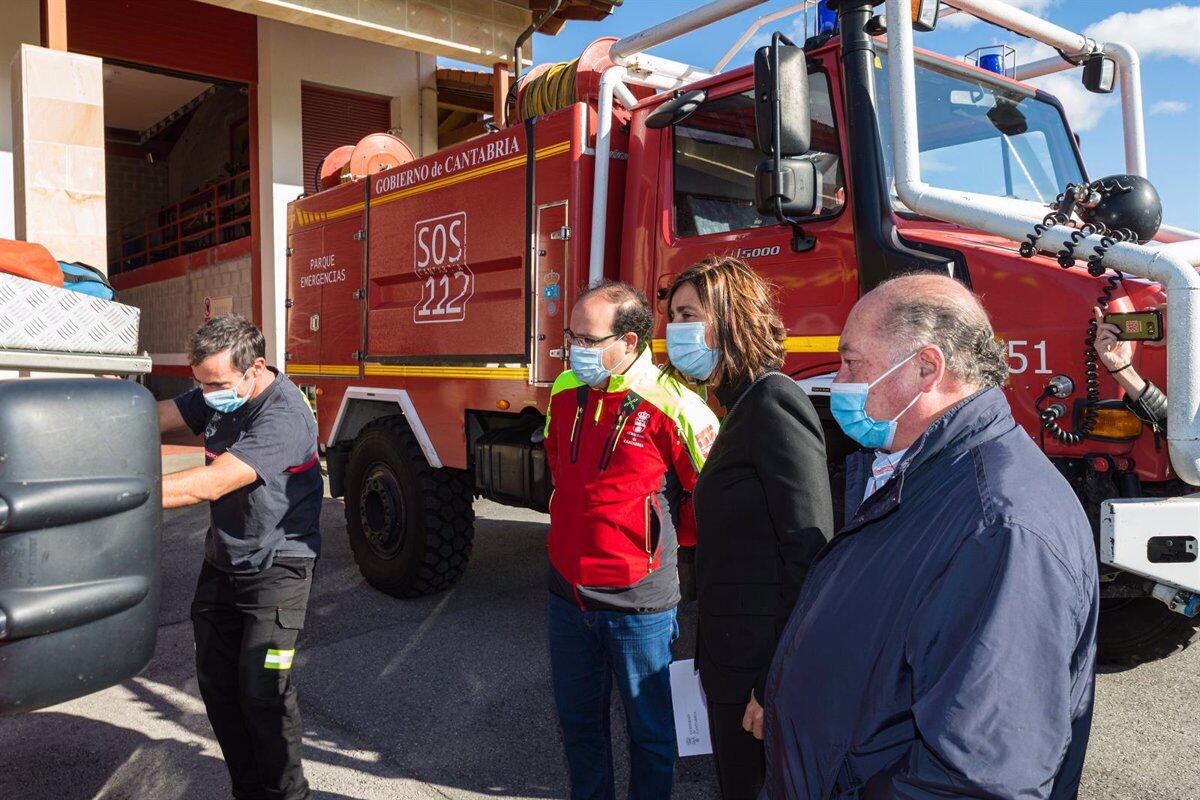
{"x": 944, "y": 641}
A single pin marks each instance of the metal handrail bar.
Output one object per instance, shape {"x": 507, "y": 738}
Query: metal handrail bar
{"x": 211, "y": 203}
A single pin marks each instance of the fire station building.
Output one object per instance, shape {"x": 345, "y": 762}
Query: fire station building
{"x": 161, "y": 140}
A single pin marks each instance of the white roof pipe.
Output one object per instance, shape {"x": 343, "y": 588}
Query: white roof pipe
{"x": 661, "y": 73}
{"x": 649, "y": 79}
{"x": 677, "y": 26}
{"x": 609, "y": 80}
{"x": 994, "y": 215}
{"x": 754, "y": 27}
{"x": 1039, "y": 69}
{"x": 1020, "y": 22}
{"x": 622, "y": 93}
{"x": 1182, "y": 233}
{"x": 1130, "y": 68}
{"x": 1188, "y": 250}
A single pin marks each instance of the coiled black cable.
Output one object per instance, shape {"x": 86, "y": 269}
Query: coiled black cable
{"x": 1091, "y": 358}
{"x": 1029, "y": 246}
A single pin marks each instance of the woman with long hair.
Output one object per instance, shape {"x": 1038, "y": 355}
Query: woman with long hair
{"x": 762, "y": 503}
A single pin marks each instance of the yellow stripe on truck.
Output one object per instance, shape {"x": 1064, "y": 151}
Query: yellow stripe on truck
{"x": 343, "y": 370}
{"x": 473, "y": 373}
{"x": 793, "y": 344}
{"x": 412, "y": 371}
{"x": 812, "y": 344}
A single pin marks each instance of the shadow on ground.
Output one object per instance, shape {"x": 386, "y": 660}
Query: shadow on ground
{"x": 448, "y": 696}
{"x": 451, "y": 691}
{"x": 454, "y": 689}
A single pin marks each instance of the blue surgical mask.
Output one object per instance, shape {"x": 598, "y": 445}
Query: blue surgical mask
{"x": 588, "y": 364}
{"x": 848, "y": 403}
{"x": 227, "y": 400}
{"x": 688, "y": 351}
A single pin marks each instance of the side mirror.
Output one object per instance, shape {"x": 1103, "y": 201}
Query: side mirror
{"x": 1008, "y": 118}
{"x": 781, "y": 98}
{"x": 792, "y": 191}
{"x": 676, "y": 110}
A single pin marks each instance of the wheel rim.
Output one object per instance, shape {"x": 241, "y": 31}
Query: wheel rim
{"x": 381, "y": 510}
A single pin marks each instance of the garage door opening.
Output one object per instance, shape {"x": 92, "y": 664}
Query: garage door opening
{"x": 177, "y": 151}
{"x": 178, "y": 184}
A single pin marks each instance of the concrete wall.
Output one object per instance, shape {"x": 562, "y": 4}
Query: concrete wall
{"x": 173, "y": 308}
{"x": 289, "y": 56}
{"x": 58, "y": 153}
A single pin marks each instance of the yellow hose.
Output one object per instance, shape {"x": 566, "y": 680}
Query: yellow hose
{"x": 550, "y": 91}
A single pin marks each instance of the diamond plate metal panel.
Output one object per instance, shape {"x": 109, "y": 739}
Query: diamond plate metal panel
{"x": 36, "y": 316}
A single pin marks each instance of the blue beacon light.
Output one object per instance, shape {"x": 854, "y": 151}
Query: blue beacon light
{"x": 992, "y": 62}
{"x": 827, "y": 20}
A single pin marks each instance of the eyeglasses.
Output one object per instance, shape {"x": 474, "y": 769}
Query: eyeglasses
{"x": 587, "y": 341}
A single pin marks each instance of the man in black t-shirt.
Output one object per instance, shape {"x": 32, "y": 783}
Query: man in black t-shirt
{"x": 262, "y": 480}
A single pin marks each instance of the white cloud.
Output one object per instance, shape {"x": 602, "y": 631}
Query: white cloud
{"x": 1161, "y": 32}
{"x": 1168, "y": 107}
{"x": 1084, "y": 109}
{"x": 957, "y": 22}
{"x": 1032, "y": 6}
{"x": 961, "y": 21}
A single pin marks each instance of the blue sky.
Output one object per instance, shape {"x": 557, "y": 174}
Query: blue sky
{"x": 1166, "y": 34}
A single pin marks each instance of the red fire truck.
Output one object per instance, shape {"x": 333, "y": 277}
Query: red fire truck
{"x": 427, "y": 302}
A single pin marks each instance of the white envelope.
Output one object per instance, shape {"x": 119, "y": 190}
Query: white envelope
{"x": 691, "y": 710}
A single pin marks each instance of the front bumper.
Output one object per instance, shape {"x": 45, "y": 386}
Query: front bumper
{"x": 1155, "y": 538}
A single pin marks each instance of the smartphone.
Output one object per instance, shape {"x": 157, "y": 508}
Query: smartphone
{"x": 1138, "y": 326}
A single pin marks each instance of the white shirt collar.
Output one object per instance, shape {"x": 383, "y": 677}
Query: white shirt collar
{"x": 882, "y": 469}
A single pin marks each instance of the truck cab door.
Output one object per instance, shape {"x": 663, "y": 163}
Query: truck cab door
{"x": 707, "y": 208}
{"x": 80, "y": 505}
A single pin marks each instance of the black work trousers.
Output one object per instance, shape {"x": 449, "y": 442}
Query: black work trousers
{"x": 739, "y": 757}
{"x": 246, "y": 628}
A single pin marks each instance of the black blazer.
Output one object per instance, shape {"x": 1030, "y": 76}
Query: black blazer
{"x": 763, "y": 511}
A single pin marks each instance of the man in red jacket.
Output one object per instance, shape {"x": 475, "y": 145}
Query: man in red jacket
{"x": 625, "y": 444}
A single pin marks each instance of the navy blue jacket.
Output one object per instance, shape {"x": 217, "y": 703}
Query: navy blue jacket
{"x": 944, "y": 642}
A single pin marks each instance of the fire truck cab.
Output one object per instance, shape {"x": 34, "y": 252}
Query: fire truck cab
{"x": 427, "y": 302}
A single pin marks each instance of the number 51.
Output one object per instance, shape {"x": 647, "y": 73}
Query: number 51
{"x": 1022, "y": 362}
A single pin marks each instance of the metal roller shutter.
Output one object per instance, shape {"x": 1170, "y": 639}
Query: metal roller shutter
{"x": 330, "y": 119}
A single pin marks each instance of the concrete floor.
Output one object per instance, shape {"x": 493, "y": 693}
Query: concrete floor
{"x": 447, "y": 697}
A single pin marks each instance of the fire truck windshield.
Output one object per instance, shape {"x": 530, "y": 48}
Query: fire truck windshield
{"x": 984, "y": 135}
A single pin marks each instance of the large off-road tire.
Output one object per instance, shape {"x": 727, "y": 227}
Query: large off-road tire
{"x": 1138, "y": 629}
{"x": 411, "y": 526}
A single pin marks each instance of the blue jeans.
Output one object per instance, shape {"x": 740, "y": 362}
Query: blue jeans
{"x": 588, "y": 651}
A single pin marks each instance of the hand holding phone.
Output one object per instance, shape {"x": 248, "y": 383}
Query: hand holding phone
{"x": 1137, "y": 326}
{"x": 1114, "y": 353}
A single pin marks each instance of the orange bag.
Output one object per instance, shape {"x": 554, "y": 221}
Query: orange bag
{"x": 29, "y": 260}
